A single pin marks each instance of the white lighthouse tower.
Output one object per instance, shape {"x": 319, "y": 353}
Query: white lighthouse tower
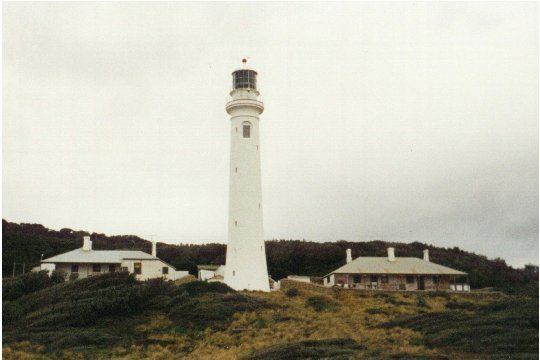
{"x": 246, "y": 257}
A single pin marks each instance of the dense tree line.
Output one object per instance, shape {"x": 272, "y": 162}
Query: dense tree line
{"x": 24, "y": 243}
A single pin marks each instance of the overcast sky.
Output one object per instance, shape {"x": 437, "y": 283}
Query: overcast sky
{"x": 395, "y": 121}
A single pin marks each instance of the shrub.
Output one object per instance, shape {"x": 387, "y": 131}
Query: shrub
{"x": 421, "y": 301}
{"x": 28, "y": 283}
{"x": 11, "y": 311}
{"x": 197, "y": 288}
{"x": 319, "y": 303}
{"x": 213, "y": 310}
{"x": 58, "y": 276}
{"x": 376, "y": 311}
{"x": 502, "y": 330}
{"x": 310, "y": 349}
{"x": 292, "y": 292}
{"x": 463, "y": 305}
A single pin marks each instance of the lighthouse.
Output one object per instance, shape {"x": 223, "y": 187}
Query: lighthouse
{"x": 246, "y": 256}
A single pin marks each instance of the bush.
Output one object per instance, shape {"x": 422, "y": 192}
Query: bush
{"x": 292, "y": 292}
{"x": 28, "y": 283}
{"x": 311, "y": 349}
{"x": 421, "y": 301}
{"x": 463, "y": 305}
{"x": 503, "y": 329}
{"x": 376, "y": 311}
{"x": 213, "y": 310}
{"x": 319, "y": 303}
{"x": 197, "y": 288}
{"x": 58, "y": 276}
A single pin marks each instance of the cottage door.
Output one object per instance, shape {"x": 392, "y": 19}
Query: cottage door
{"x": 421, "y": 285}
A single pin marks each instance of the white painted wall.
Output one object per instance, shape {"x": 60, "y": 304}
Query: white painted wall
{"x": 48, "y": 267}
{"x": 151, "y": 269}
{"x": 246, "y": 258}
{"x": 206, "y": 274}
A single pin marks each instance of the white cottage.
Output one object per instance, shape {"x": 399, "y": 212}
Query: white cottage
{"x": 86, "y": 262}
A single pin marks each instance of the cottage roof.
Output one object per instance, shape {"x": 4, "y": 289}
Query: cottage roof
{"x": 99, "y": 256}
{"x": 401, "y": 265}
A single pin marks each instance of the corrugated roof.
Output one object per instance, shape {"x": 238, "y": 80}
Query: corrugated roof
{"x": 401, "y": 265}
{"x": 99, "y": 256}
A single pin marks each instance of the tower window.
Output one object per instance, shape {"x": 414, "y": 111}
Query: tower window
{"x": 246, "y": 130}
{"x": 235, "y": 223}
{"x": 233, "y": 273}
{"x": 235, "y": 170}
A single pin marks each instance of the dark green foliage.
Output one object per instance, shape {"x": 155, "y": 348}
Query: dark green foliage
{"x": 103, "y": 310}
{"x": 319, "y": 303}
{"x": 196, "y": 288}
{"x": 376, "y": 311}
{"x": 26, "y": 242}
{"x": 421, "y": 301}
{"x": 13, "y": 288}
{"x": 463, "y": 305}
{"x": 213, "y": 310}
{"x": 292, "y": 292}
{"x": 310, "y": 349}
{"x": 505, "y": 328}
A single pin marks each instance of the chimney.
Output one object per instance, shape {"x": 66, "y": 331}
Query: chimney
{"x": 87, "y": 243}
{"x": 349, "y": 256}
{"x": 426, "y": 255}
{"x": 154, "y": 249}
{"x": 391, "y": 256}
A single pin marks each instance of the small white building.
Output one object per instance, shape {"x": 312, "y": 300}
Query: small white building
{"x": 211, "y": 273}
{"x": 86, "y": 262}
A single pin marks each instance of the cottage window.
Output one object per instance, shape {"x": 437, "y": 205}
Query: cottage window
{"x": 96, "y": 268}
{"x": 74, "y": 268}
{"x": 374, "y": 278}
{"x": 384, "y": 279}
{"x": 112, "y": 268}
{"x": 137, "y": 268}
{"x": 357, "y": 279}
{"x": 165, "y": 270}
{"x": 410, "y": 279}
{"x": 246, "y": 130}
{"x": 125, "y": 269}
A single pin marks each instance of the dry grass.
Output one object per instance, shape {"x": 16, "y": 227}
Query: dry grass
{"x": 358, "y": 317}
{"x": 292, "y": 321}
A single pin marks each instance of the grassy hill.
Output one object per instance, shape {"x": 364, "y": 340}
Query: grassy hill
{"x": 113, "y": 316}
{"x": 24, "y": 243}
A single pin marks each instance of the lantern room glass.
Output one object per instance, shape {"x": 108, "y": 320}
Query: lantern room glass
{"x": 245, "y": 79}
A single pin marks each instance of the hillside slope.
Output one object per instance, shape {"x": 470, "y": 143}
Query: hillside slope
{"x": 113, "y": 316}
{"x": 24, "y": 243}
